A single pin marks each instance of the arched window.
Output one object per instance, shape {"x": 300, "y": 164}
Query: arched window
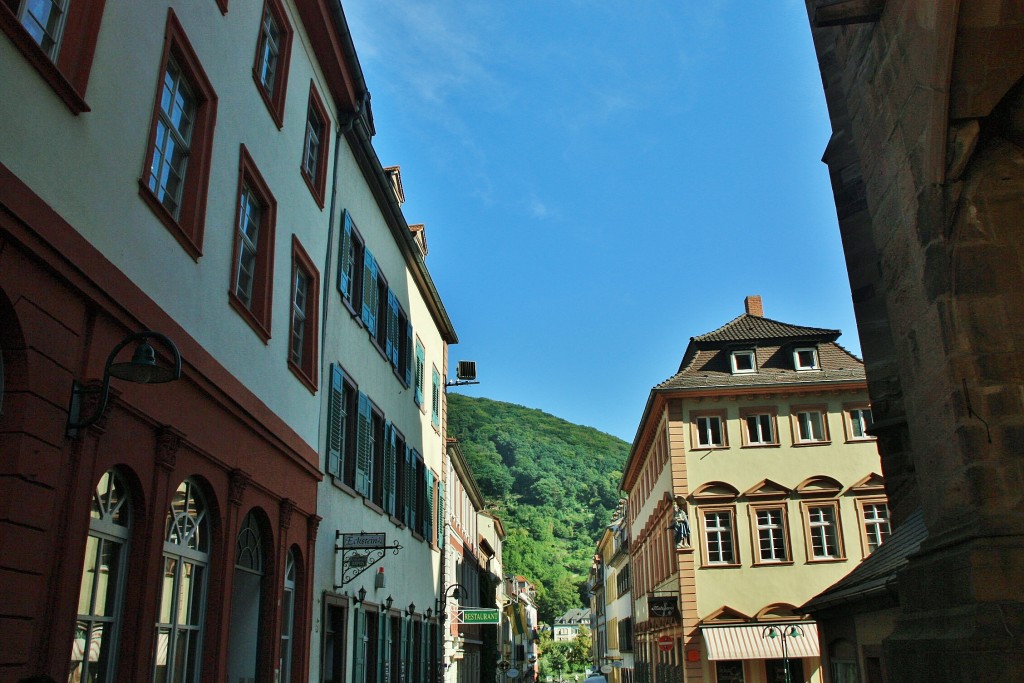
{"x": 287, "y": 617}
{"x": 94, "y": 649}
{"x": 246, "y": 601}
{"x": 179, "y": 628}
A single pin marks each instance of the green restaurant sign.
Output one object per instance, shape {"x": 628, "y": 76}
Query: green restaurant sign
{"x": 479, "y": 616}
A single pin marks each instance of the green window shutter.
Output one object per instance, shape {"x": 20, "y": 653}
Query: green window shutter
{"x": 393, "y": 332}
{"x": 428, "y": 515}
{"x": 404, "y": 648}
{"x": 435, "y": 399}
{"x": 369, "y": 315}
{"x": 409, "y": 363}
{"x": 364, "y": 448}
{"x": 346, "y": 256}
{"x": 440, "y": 514}
{"x": 359, "y": 656}
{"x": 336, "y": 421}
{"x": 420, "y": 362}
{"x": 390, "y": 446}
{"x": 414, "y": 488}
{"x": 383, "y": 646}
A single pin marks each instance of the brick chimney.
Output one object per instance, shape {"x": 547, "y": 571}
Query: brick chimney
{"x": 753, "y": 305}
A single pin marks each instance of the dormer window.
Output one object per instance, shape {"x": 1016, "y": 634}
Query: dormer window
{"x": 742, "y": 362}
{"x": 806, "y": 358}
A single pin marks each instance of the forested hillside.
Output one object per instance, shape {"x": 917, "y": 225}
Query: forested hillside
{"x": 553, "y": 484}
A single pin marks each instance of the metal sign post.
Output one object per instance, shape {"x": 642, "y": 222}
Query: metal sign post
{"x": 361, "y": 551}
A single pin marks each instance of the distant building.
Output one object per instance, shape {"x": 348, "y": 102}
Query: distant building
{"x": 567, "y": 626}
{"x": 752, "y": 485}
{"x": 611, "y": 608}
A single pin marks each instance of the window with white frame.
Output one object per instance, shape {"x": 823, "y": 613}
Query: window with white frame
{"x": 710, "y": 431}
{"x": 823, "y": 532}
{"x": 287, "y": 618}
{"x": 760, "y": 428}
{"x": 181, "y": 614}
{"x": 859, "y": 421}
{"x": 742, "y": 362}
{"x": 94, "y": 650}
{"x": 810, "y": 426}
{"x": 876, "y": 524}
{"x": 44, "y": 20}
{"x": 718, "y": 537}
{"x": 806, "y": 358}
{"x": 770, "y": 525}
{"x": 175, "y": 117}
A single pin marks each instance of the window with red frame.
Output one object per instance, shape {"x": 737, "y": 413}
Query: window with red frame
{"x": 302, "y": 343}
{"x": 253, "y": 267}
{"x": 314, "y": 150}
{"x": 58, "y": 38}
{"x": 177, "y": 172}
{"x": 273, "y": 49}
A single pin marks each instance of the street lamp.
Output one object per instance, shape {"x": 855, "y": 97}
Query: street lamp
{"x": 453, "y": 591}
{"x": 783, "y": 632}
{"x": 141, "y": 369}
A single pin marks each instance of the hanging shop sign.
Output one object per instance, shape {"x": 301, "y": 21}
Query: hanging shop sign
{"x": 360, "y": 551}
{"x": 478, "y": 616}
{"x": 663, "y": 606}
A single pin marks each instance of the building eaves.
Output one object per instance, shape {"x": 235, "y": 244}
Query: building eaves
{"x": 465, "y": 474}
{"x": 753, "y": 328}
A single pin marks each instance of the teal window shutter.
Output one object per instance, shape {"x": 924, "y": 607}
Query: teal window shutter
{"x": 428, "y": 516}
{"x": 435, "y": 399}
{"x": 346, "y": 256}
{"x": 364, "y": 448}
{"x": 369, "y": 315}
{"x": 359, "y": 656}
{"x": 390, "y": 445}
{"x": 420, "y": 362}
{"x": 404, "y": 647}
{"x": 440, "y": 514}
{"x": 383, "y": 646}
{"x": 393, "y": 343}
{"x": 408, "y": 354}
{"x": 336, "y": 421}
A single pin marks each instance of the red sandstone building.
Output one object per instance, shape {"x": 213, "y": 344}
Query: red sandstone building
{"x": 163, "y": 167}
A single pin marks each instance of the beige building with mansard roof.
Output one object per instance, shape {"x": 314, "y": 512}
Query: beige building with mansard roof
{"x": 753, "y": 484}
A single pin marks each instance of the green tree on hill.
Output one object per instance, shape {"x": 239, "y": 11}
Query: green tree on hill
{"x": 553, "y": 483}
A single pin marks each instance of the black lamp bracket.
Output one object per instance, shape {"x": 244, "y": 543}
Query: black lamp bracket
{"x": 80, "y": 391}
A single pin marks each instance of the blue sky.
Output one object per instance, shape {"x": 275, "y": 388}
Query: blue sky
{"x": 600, "y": 180}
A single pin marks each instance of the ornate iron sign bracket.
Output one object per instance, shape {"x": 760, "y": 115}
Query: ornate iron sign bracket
{"x": 359, "y": 552}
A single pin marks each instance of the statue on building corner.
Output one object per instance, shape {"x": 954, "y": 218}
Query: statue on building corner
{"x": 680, "y": 524}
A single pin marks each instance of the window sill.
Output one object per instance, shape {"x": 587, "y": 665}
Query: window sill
{"x": 780, "y": 563}
{"x": 825, "y": 560}
{"x": 721, "y": 565}
{"x": 187, "y": 241}
{"x": 702, "y": 447}
{"x": 340, "y": 484}
{"x": 862, "y": 439}
{"x": 801, "y": 444}
{"x": 308, "y": 381}
{"x": 760, "y": 445}
{"x": 376, "y": 508}
{"x": 39, "y": 60}
{"x": 275, "y": 110}
{"x": 318, "y": 195}
{"x": 262, "y": 331}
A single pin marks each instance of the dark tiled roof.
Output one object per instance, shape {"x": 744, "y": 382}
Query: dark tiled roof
{"x": 705, "y": 363}
{"x": 872, "y": 575}
{"x": 753, "y": 328}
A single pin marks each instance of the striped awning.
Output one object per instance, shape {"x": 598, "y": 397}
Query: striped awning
{"x": 751, "y": 642}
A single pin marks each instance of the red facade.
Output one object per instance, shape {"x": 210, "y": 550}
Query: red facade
{"x": 63, "y": 307}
